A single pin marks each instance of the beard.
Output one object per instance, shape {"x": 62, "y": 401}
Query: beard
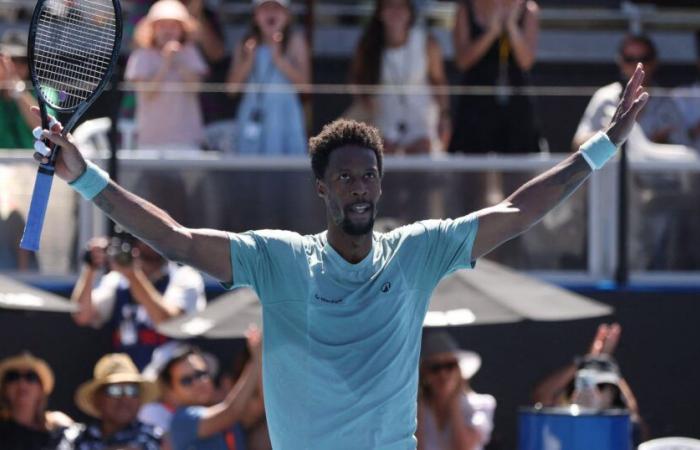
{"x": 358, "y": 229}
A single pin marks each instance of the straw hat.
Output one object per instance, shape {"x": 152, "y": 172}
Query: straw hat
{"x": 163, "y": 10}
{"x": 25, "y": 361}
{"x": 438, "y": 342}
{"x": 112, "y": 369}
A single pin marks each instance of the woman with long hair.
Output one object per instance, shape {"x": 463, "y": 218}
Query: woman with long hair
{"x": 394, "y": 52}
{"x": 25, "y": 423}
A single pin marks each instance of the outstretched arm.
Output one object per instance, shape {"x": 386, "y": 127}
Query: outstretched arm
{"x": 205, "y": 250}
{"x": 529, "y": 204}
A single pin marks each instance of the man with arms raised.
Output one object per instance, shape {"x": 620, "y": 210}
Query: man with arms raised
{"x": 343, "y": 309}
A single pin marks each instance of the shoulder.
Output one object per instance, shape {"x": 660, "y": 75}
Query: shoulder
{"x": 297, "y": 41}
{"x": 57, "y": 419}
{"x": 185, "y": 273}
{"x": 149, "y": 432}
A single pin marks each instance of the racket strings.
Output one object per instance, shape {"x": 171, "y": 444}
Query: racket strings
{"x": 73, "y": 48}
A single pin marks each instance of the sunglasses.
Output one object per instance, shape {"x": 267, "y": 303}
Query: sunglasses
{"x": 15, "y": 375}
{"x": 122, "y": 390}
{"x": 633, "y": 59}
{"x": 439, "y": 367}
{"x": 187, "y": 380}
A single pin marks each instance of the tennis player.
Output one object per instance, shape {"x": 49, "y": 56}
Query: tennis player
{"x": 343, "y": 309}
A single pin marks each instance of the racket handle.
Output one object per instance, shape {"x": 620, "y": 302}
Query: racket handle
{"x": 37, "y": 208}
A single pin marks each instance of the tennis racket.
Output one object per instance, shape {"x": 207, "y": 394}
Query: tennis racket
{"x": 73, "y": 48}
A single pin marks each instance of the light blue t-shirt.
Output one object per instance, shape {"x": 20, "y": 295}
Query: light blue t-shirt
{"x": 341, "y": 341}
{"x": 183, "y": 432}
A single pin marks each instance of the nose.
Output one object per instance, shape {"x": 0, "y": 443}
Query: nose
{"x": 359, "y": 188}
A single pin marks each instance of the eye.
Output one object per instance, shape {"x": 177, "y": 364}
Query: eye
{"x": 344, "y": 176}
{"x": 370, "y": 175}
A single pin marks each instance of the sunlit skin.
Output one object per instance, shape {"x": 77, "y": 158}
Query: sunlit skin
{"x": 445, "y": 383}
{"x": 396, "y": 17}
{"x": 350, "y": 189}
{"x": 167, "y": 30}
{"x": 271, "y": 18}
{"x": 116, "y": 412}
{"x": 24, "y": 398}
{"x": 200, "y": 392}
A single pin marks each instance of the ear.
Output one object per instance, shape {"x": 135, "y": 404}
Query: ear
{"x": 321, "y": 188}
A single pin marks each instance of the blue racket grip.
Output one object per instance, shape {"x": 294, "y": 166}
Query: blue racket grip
{"x": 37, "y": 208}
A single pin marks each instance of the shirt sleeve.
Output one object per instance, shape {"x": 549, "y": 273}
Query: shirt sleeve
{"x": 183, "y": 427}
{"x": 139, "y": 66}
{"x": 186, "y": 290}
{"x": 269, "y": 261}
{"x": 104, "y": 296}
{"x": 443, "y": 247}
{"x": 597, "y": 114}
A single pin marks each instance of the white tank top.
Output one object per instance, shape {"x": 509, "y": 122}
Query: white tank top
{"x": 411, "y": 112}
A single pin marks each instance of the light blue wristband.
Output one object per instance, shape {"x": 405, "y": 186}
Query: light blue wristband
{"x": 598, "y": 150}
{"x": 91, "y": 182}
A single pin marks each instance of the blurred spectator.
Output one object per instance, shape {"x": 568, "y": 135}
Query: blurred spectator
{"x": 168, "y": 116}
{"x": 572, "y": 383}
{"x": 394, "y": 51}
{"x": 11, "y": 229}
{"x": 16, "y": 121}
{"x": 139, "y": 291}
{"x": 271, "y": 121}
{"x": 26, "y": 382}
{"x": 660, "y": 119}
{"x": 495, "y": 44}
{"x": 159, "y": 413}
{"x": 114, "y": 397}
{"x": 210, "y": 39}
{"x": 451, "y": 415}
{"x": 688, "y": 102}
{"x": 188, "y": 384}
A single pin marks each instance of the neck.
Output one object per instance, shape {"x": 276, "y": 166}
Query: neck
{"x": 396, "y": 37}
{"x": 109, "y": 428}
{"x": 24, "y": 416}
{"x": 353, "y": 249}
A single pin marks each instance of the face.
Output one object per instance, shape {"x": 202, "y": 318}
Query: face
{"x": 351, "y": 188}
{"x": 395, "y": 14}
{"x": 191, "y": 383}
{"x": 442, "y": 375}
{"x": 118, "y": 403}
{"x": 22, "y": 388}
{"x": 271, "y": 18}
{"x": 635, "y": 52}
{"x": 167, "y": 30}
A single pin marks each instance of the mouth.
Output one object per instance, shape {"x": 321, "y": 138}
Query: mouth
{"x": 359, "y": 208}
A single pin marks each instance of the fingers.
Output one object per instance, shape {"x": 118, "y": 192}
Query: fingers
{"x": 54, "y": 124}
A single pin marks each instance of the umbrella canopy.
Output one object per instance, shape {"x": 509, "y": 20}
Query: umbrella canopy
{"x": 19, "y": 296}
{"x": 489, "y": 295}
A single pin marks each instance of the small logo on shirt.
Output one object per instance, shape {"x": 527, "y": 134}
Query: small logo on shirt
{"x": 385, "y": 287}
{"x": 328, "y": 300}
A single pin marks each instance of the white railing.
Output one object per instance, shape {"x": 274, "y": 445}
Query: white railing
{"x": 601, "y": 211}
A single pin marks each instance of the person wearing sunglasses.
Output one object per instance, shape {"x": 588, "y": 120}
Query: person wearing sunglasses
{"x": 660, "y": 120}
{"x": 188, "y": 389}
{"x": 26, "y": 382}
{"x": 450, "y": 414}
{"x": 113, "y": 397}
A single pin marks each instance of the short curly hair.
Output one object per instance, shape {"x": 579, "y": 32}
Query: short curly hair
{"x": 340, "y": 133}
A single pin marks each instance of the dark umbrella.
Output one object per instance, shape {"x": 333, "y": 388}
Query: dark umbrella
{"x": 19, "y": 296}
{"x": 489, "y": 295}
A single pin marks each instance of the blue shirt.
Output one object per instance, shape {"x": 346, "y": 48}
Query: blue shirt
{"x": 341, "y": 341}
{"x": 183, "y": 433}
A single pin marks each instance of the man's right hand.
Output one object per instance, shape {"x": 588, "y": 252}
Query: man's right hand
{"x": 70, "y": 164}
